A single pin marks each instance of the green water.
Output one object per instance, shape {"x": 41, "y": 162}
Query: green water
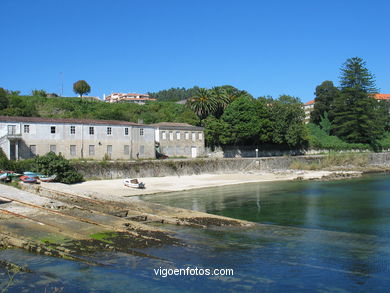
{"x": 310, "y": 237}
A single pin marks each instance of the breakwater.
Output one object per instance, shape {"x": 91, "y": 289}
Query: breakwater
{"x": 121, "y": 169}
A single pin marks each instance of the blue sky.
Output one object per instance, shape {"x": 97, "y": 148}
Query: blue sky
{"x": 265, "y": 47}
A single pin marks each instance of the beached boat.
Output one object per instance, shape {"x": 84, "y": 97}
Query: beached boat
{"x": 32, "y": 174}
{"x": 134, "y": 183}
{"x": 28, "y": 179}
{"x": 44, "y": 178}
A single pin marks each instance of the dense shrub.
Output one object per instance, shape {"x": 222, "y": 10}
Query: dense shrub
{"x": 56, "y": 164}
{"x": 319, "y": 139}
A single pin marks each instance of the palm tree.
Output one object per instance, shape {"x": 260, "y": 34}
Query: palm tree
{"x": 203, "y": 103}
{"x": 222, "y": 100}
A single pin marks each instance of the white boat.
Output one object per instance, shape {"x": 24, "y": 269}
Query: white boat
{"x": 134, "y": 183}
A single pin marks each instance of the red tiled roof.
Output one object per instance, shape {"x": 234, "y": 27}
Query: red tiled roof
{"x": 139, "y": 99}
{"x": 66, "y": 120}
{"x": 176, "y": 125}
{"x": 309, "y": 103}
{"x": 382, "y": 96}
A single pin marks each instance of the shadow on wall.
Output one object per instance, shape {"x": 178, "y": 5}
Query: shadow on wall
{"x": 250, "y": 152}
{"x": 25, "y": 151}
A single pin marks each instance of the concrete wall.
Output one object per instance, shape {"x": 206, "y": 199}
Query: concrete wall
{"x": 108, "y": 170}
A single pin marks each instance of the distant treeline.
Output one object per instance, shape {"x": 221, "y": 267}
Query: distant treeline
{"x": 174, "y": 94}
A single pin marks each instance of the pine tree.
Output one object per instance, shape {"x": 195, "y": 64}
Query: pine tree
{"x": 357, "y": 117}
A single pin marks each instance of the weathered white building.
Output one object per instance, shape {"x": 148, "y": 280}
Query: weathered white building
{"x": 135, "y": 98}
{"x": 25, "y": 137}
{"x": 179, "y": 139}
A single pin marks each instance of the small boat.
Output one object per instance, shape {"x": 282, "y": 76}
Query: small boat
{"x": 28, "y": 179}
{"x": 32, "y": 174}
{"x": 4, "y": 176}
{"x": 134, "y": 183}
{"x": 44, "y": 178}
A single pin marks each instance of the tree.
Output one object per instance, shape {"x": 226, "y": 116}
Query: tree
{"x": 3, "y": 99}
{"x": 287, "y": 116}
{"x": 325, "y": 93}
{"x": 241, "y": 123}
{"x": 357, "y": 116}
{"x": 203, "y": 103}
{"x": 81, "y": 87}
{"x": 354, "y": 75}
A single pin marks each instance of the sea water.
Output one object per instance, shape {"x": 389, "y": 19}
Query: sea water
{"x": 309, "y": 237}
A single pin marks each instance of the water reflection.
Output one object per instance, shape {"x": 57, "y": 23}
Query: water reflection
{"x": 311, "y": 236}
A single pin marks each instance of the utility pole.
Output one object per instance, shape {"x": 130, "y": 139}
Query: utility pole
{"x": 62, "y": 84}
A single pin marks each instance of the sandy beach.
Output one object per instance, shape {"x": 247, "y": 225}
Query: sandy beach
{"x": 179, "y": 183}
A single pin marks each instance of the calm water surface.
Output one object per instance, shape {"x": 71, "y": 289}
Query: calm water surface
{"x": 311, "y": 237}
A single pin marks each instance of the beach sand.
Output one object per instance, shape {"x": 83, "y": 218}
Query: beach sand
{"x": 179, "y": 183}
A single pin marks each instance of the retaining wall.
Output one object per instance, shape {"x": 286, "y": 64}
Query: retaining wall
{"x": 118, "y": 169}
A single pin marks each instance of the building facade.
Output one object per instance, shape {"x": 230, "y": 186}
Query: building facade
{"x": 25, "y": 137}
{"x": 179, "y": 139}
{"x": 140, "y": 99}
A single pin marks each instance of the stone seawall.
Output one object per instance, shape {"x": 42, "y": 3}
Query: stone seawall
{"x": 118, "y": 169}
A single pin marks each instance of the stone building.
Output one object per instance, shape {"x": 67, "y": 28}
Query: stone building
{"x": 179, "y": 139}
{"x": 25, "y": 137}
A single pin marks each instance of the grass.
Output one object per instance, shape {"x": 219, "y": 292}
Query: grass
{"x": 104, "y": 236}
{"x": 333, "y": 160}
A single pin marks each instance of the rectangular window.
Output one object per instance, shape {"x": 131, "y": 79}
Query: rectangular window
{"x": 141, "y": 150}
{"x": 33, "y": 149}
{"x": 91, "y": 150}
{"x": 72, "y": 129}
{"x": 52, "y": 129}
{"x": 109, "y": 150}
{"x": 91, "y": 130}
{"x": 141, "y": 131}
{"x": 53, "y": 148}
{"x": 193, "y": 136}
{"x": 170, "y": 135}
{"x": 73, "y": 150}
{"x": 109, "y": 130}
{"x": 200, "y": 135}
{"x": 126, "y": 131}
{"x": 178, "y": 135}
{"x": 26, "y": 128}
{"x": 164, "y": 135}
{"x": 126, "y": 150}
{"x": 187, "y": 136}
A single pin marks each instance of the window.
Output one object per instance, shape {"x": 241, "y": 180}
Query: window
{"x": 33, "y": 149}
{"x": 200, "y": 135}
{"x": 72, "y": 150}
{"x": 109, "y": 150}
{"x": 170, "y": 135}
{"x": 178, "y": 135}
{"x": 141, "y": 150}
{"x": 91, "y": 130}
{"x": 193, "y": 136}
{"x": 126, "y": 150}
{"x": 126, "y": 131}
{"x": 91, "y": 150}
{"x": 72, "y": 129}
{"x": 141, "y": 131}
{"x": 52, "y": 129}
{"x": 109, "y": 130}
{"x": 26, "y": 128}
{"x": 187, "y": 135}
{"x": 164, "y": 135}
{"x": 53, "y": 148}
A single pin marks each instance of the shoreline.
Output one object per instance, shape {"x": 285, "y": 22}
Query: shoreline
{"x": 155, "y": 185}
